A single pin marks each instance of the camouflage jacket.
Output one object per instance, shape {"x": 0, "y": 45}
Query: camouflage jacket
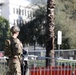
{"x": 13, "y": 47}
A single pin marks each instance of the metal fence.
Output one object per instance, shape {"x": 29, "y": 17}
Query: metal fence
{"x": 66, "y": 53}
{"x": 37, "y": 66}
{"x": 63, "y": 66}
{"x": 3, "y": 66}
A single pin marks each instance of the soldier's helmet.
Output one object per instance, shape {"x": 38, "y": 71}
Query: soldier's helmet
{"x": 15, "y": 29}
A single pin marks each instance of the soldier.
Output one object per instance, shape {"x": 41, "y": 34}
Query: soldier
{"x": 15, "y": 51}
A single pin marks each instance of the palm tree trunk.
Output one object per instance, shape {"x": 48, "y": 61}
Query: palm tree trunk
{"x": 50, "y": 33}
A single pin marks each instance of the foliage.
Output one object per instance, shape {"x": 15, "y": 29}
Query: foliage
{"x": 65, "y": 20}
{"x": 4, "y": 31}
{"x": 36, "y": 28}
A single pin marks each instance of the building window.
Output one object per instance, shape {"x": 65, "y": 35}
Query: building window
{"x": 17, "y": 22}
{"x": 14, "y": 22}
{"x": 14, "y": 10}
{"x": 25, "y": 12}
{"x": 28, "y": 14}
{"x": 32, "y": 14}
{"x": 22, "y": 12}
{"x": 17, "y": 11}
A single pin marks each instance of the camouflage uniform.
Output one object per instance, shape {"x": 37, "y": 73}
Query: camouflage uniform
{"x": 15, "y": 58}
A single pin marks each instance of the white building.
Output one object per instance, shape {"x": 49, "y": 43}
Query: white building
{"x": 16, "y": 11}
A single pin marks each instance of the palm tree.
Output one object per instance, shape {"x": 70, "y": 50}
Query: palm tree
{"x": 50, "y": 33}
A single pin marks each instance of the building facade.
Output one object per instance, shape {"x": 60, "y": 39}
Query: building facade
{"x": 16, "y": 11}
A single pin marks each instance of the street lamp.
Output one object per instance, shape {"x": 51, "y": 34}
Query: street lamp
{"x": 34, "y": 38}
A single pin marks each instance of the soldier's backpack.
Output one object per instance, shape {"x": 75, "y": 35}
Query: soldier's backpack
{"x": 7, "y": 48}
{"x": 12, "y": 47}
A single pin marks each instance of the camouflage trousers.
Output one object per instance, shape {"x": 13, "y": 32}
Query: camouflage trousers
{"x": 14, "y": 67}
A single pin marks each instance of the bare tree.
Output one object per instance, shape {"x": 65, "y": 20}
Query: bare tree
{"x": 50, "y": 33}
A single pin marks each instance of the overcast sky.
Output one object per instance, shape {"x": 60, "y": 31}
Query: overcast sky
{"x": 38, "y": 1}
